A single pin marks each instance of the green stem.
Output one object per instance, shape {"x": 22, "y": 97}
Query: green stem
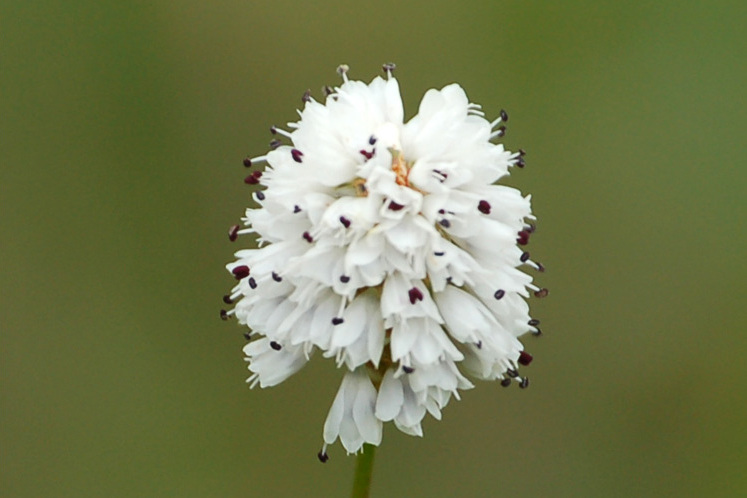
{"x": 363, "y": 470}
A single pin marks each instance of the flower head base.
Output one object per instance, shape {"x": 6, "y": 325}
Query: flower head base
{"x": 389, "y": 247}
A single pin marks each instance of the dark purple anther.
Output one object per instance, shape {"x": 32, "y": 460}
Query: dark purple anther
{"x": 260, "y": 196}
{"x": 499, "y": 294}
{"x": 524, "y": 257}
{"x": 525, "y": 358}
{"x": 233, "y": 233}
{"x": 533, "y": 322}
{"x": 500, "y": 131}
{"x": 274, "y": 345}
{"x": 275, "y": 143}
{"x": 512, "y": 373}
{"x": 445, "y": 223}
{"x": 372, "y": 140}
{"x": 524, "y": 383}
{"x": 407, "y": 370}
{"x": 344, "y": 279}
{"x": 323, "y": 457}
{"x": 253, "y": 179}
{"x": 541, "y": 293}
{"x": 366, "y": 154}
{"x": 240, "y": 272}
{"x": 252, "y": 283}
{"x": 504, "y": 115}
{"x": 415, "y": 295}
{"x": 296, "y": 209}
{"x": 247, "y": 336}
{"x": 307, "y": 236}
{"x": 227, "y": 299}
{"x": 439, "y": 253}
{"x": 395, "y": 206}
{"x": 523, "y": 238}
{"x": 223, "y": 315}
{"x": 297, "y": 155}
{"x": 484, "y": 207}
{"x": 273, "y": 130}
{"x": 506, "y": 382}
{"x": 306, "y": 96}
{"x": 520, "y": 163}
{"x": 276, "y": 277}
{"x": 247, "y": 162}
{"x": 345, "y": 222}
{"x": 337, "y": 320}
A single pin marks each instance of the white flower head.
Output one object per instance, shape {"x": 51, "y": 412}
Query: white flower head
{"x": 389, "y": 247}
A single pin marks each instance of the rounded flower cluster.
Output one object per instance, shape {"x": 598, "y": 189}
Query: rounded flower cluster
{"x": 388, "y": 247}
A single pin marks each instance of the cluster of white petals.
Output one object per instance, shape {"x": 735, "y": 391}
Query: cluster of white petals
{"x": 389, "y": 247}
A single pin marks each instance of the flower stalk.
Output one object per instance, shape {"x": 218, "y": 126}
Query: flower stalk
{"x": 363, "y": 471}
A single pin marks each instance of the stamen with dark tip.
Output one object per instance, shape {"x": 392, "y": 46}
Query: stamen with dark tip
{"x": 520, "y": 162}
{"x": 233, "y": 233}
{"x": 307, "y": 237}
{"x": 323, "y": 457}
{"x": 500, "y": 131}
{"x": 240, "y": 272}
{"x": 306, "y": 96}
{"x": 540, "y": 267}
{"x": 296, "y": 209}
{"x": 523, "y": 238}
{"x": 484, "y": 207}
{"x": 478, "y": 344}
{"x": 533, "y": 322}
{"x": 506, "y": 382}
{"x": 524, "y": 257}
{"x": 247, "y": 162}
{"x": 345, "y": 222}
{"x": 525, "y": 358}
{"x": 407, "y": 370}
{"x": 252, "y": 283}
{"x": 253, "y": 179}
{"x": 276, "y": 277}
{"x": 389, "y": 67}
{"x": 415, "y": 295}
{"x": 504, "y": 115}
{"x": 344, "y": 279}
{"x": 444, "y": 223}
{"x": 524, "y": 383}
{"x": 499, "y": 294}
{"x": 366, "y": 154}
{"x": 337, "y": 320}
{"x": 439, "y": 253}
{"x": 274, "y": 144}
{"x": 227, "y": 299}
{"x": 538, "y": 332}
{"x": 260, "y": 196}
{"x": 512, "y": 373}
{"x": 395, "y": 206}
{"x": 543, "y": 292}
{"x": 247, "y": 336}
{"x": 297, "y": 155}
{"x": 522, "y": 152}
{"x": 223, "y": 315}
{"x": 274, "y": 345}
{"x": 372, "y": 140}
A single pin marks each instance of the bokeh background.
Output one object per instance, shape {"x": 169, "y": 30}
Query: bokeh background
{"x": 122, "y": 130}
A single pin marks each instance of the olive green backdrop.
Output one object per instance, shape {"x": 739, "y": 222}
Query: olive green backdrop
{"x": 122, "y": 130}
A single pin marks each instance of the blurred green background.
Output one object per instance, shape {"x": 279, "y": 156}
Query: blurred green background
{"x": 122, "y": 130}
